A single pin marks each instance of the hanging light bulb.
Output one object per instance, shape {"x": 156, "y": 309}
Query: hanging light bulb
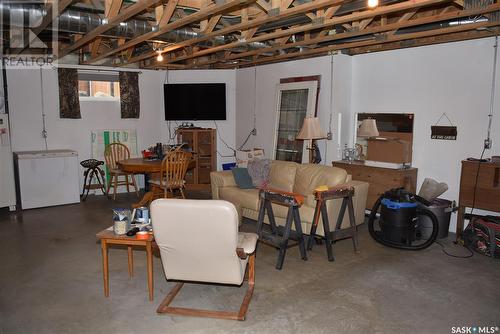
{"x": 372, "y": 3}
{"x": 159, "y": 57}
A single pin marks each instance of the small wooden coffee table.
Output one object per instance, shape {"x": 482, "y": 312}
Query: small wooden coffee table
{"x": 108, "y": 237}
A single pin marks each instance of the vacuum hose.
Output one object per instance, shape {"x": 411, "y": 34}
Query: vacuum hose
{"x": 420, "y": 212}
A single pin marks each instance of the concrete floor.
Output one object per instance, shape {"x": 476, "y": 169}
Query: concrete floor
{"x": 51, "y": 282}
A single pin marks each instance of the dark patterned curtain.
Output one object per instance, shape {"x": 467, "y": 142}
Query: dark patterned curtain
{"x": 129, "y": 94}
{"x": 69, "y": 101}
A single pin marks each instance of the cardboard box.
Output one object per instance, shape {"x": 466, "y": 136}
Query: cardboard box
{"x": 389, "y": 150}
{"x": 243, "y": 156}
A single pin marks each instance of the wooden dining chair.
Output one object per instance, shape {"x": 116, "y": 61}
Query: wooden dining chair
{"x": 173, "y": 171}
{"x": 112, "y": 153}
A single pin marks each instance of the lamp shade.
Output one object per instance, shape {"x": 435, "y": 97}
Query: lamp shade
{"x": 311, "y": 129}
{"x": 368, "y": 128}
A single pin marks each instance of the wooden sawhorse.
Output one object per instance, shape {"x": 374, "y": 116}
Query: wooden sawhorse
{"x": 346, "y": 193}
{"x": 279, "y": 235}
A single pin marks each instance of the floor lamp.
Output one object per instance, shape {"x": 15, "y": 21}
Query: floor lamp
{"x": 311, "y": 130}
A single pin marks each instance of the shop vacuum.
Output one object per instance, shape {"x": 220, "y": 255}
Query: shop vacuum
{"x": 405, "y": 221}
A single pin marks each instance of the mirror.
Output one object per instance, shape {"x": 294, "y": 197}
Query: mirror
{"x": 394, "y": 141}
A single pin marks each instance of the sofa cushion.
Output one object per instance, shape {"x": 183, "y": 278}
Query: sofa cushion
{"x": 282, "y": 175}
{"x": 247, "y": 198}
{"x": 311, "y": 176}
{"x": 259, "y": 171}
{"x": 242, "y": 178}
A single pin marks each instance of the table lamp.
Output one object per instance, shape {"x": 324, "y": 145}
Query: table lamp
{"x": 368, "y": 128}
{"x": 311, "y": 130}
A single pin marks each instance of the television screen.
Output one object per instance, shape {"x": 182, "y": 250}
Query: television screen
{"x": 195, "y": 102}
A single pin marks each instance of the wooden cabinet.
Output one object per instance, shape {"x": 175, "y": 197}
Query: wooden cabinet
{"x": 485, "y": 195}
{"x": 202, "y": 142}
{"x": 380, "y": 179}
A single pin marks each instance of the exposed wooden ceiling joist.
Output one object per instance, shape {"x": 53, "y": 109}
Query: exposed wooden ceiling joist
{"x": 122, "y": 16}
{"x": 192, "y": 18}
{"x": 387, "y": 29}
{"x": 393, "y": 38}
{"x": 261, "y": 20}
{"x": 239, "y": 33}
{"x": 407, "y": 5}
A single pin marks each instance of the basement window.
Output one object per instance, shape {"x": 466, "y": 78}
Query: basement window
{"x": 98, "y": 86}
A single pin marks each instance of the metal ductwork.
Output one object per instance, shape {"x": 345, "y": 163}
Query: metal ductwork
{"x": 79, "y": 21}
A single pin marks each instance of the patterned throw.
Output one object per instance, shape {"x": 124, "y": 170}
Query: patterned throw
{"x": 129, "y": 95}
{"x": 69, "y": 101}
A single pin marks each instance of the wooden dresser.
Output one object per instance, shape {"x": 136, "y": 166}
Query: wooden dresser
{"x": 487, "y": 190}
{"x": 380, "y": 179}
{"x": 202, "y": 142}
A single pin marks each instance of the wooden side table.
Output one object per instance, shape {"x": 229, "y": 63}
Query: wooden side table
{"x": 380, "y": 179}
{"x": 108, "y": 237}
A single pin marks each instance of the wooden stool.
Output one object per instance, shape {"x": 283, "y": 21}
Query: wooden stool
{"x": 346, "y": 194}
{"x": 92, "y": 170}
{"x": 279, "y": 235}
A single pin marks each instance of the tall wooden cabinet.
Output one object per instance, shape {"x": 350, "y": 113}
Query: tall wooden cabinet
{"x": 380, "y": 179}
{"x": 202, "y": 142}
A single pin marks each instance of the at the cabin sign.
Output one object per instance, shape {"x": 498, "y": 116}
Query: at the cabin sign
{"x": 444, "y": 132}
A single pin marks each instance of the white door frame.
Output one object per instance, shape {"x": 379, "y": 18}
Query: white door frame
{"x": 312, "y": 87}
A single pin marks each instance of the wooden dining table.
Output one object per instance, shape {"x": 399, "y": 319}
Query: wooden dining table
{"x": 147, "y": 167}
{"x": 141, "y": 166}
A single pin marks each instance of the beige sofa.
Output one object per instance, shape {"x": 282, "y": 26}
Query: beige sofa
{"x": 298, "y": 178}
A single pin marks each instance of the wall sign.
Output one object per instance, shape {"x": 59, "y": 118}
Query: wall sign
{"x": 448, "y": 132}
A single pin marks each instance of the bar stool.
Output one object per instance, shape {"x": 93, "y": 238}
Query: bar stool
{"x": 346, "y": 193}
{"x": 92, "y": 170}
{"x": 279, "y": 235}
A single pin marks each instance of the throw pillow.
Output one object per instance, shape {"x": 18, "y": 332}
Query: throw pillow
{"x": 259, "y": 172}
{"x": 242, "y": 178}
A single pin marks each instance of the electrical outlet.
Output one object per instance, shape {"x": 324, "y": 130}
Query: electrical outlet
{"x": 487, "y": 143}
{"x": 254, "y": 132}
{"x": 329, "y": 136}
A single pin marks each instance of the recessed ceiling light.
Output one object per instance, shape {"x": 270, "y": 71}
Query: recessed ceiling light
{"x": 372, "y": 3}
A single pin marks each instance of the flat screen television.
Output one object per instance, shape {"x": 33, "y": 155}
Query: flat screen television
{"x": 195, "y": 102}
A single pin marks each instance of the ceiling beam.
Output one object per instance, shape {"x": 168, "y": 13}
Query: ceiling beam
{"x": 393, "y": 38}
{"x": 112, "y": 9}
{"x": 460, "y": 36}
{"x": 293, "y": 11}
{"x": 124, "y": 15}
{"x": 375, "y": 30}
{"x": 192, "y": 18}
{"x": 168, "y": 11}
{"x": 412, "y": 4}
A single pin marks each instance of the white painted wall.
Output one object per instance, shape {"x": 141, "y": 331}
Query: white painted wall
{"x": 25, "y": 101}
{"x": 226, "y": 129}
{"x": 454, "y": 78}
{"x": 257, "y": 90}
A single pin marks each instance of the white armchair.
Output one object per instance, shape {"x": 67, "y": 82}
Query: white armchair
{"x": 199, "y": 242}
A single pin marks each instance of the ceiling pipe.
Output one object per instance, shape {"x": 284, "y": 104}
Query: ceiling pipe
{"x": 82, "y": 22}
